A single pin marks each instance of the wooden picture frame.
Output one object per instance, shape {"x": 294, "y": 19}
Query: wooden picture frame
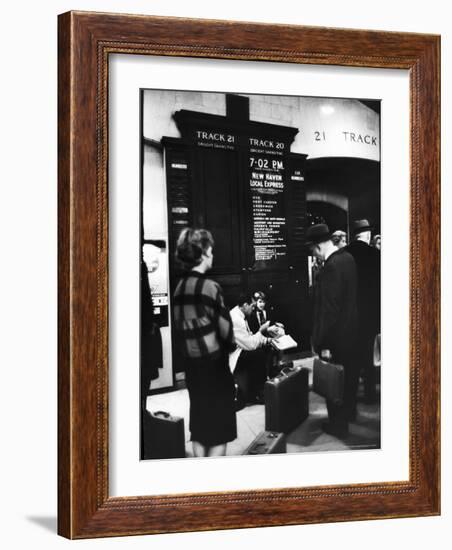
{"x": 86, "y": 40}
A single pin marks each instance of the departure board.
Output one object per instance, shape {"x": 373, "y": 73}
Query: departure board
{"x": 267, "y": 187}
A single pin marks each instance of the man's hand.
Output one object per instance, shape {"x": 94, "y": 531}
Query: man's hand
{"x": 263, "y": 328}
{"x": 275, "y": 331}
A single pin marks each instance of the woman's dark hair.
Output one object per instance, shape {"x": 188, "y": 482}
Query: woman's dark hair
{"x": 258, "y": 294}
{"x": 191, "y": 245}
{"x": 244, "y": 298}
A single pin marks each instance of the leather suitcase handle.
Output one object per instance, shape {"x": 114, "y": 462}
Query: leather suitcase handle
{"x": 286, "y": 370}
{"x": 162, "y": 413}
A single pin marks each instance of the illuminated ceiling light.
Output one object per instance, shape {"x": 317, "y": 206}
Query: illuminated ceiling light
{"x": 327, "y": 110}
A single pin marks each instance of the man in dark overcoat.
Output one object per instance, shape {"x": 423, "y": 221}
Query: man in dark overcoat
{"x": 367, "y": 261}
{"x": 335, "y": 320}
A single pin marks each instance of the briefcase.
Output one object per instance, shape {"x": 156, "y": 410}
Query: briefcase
{"x": 267, "y": 443}
{"x": 328, "y": 381}
{"x": 163, "y": 435}
{"x": 286, "y": 399}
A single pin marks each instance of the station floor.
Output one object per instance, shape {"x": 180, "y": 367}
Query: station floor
{"x": 307, "y": 437}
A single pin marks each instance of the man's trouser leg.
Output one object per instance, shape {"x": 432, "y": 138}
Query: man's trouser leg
{"x": 251, "y": 373}
{"x": 340, "y": 415}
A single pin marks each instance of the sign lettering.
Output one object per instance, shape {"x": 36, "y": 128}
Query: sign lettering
{"x": 267, "y": 195}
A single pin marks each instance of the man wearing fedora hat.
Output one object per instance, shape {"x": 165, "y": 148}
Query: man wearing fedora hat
{"x": 335, "y": 319}
{"x": 367, "y": 261}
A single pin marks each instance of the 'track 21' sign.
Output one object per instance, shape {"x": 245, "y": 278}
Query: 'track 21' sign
{"x": 215, "y": 140}
{"x": 338, "y": 128}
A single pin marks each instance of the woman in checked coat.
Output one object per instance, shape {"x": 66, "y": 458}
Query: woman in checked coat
{"x": 204, "y": 332}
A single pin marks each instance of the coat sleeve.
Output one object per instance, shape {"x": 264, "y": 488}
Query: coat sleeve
{"x": 220, "y": 315}
{"x": 246, "y": 340}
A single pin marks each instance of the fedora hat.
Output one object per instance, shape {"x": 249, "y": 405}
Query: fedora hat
{"x": 317, "y": 233}
{"x": 359, "y": 226}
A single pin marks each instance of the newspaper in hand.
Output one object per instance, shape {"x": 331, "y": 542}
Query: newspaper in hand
{"x": 284, "y": 343}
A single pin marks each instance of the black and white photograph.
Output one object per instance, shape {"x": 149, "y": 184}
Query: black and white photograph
{"x": 260, "y": 274}
{"x": 202, "y": 347}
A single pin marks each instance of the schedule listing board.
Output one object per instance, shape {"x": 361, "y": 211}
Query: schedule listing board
{"x": 267, "y": 188}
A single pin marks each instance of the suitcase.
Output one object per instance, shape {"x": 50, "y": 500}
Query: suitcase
{"x": 163, "y": 435}
{"x": 328, "y": 381}
{"x": 295, "y": 357}
{"x": 267, "y": 443}
{"x": 299, "y": 359}
{"x": 286, "y": 399}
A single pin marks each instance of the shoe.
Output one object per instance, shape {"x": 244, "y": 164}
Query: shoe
{"x": 335, "y": 430}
